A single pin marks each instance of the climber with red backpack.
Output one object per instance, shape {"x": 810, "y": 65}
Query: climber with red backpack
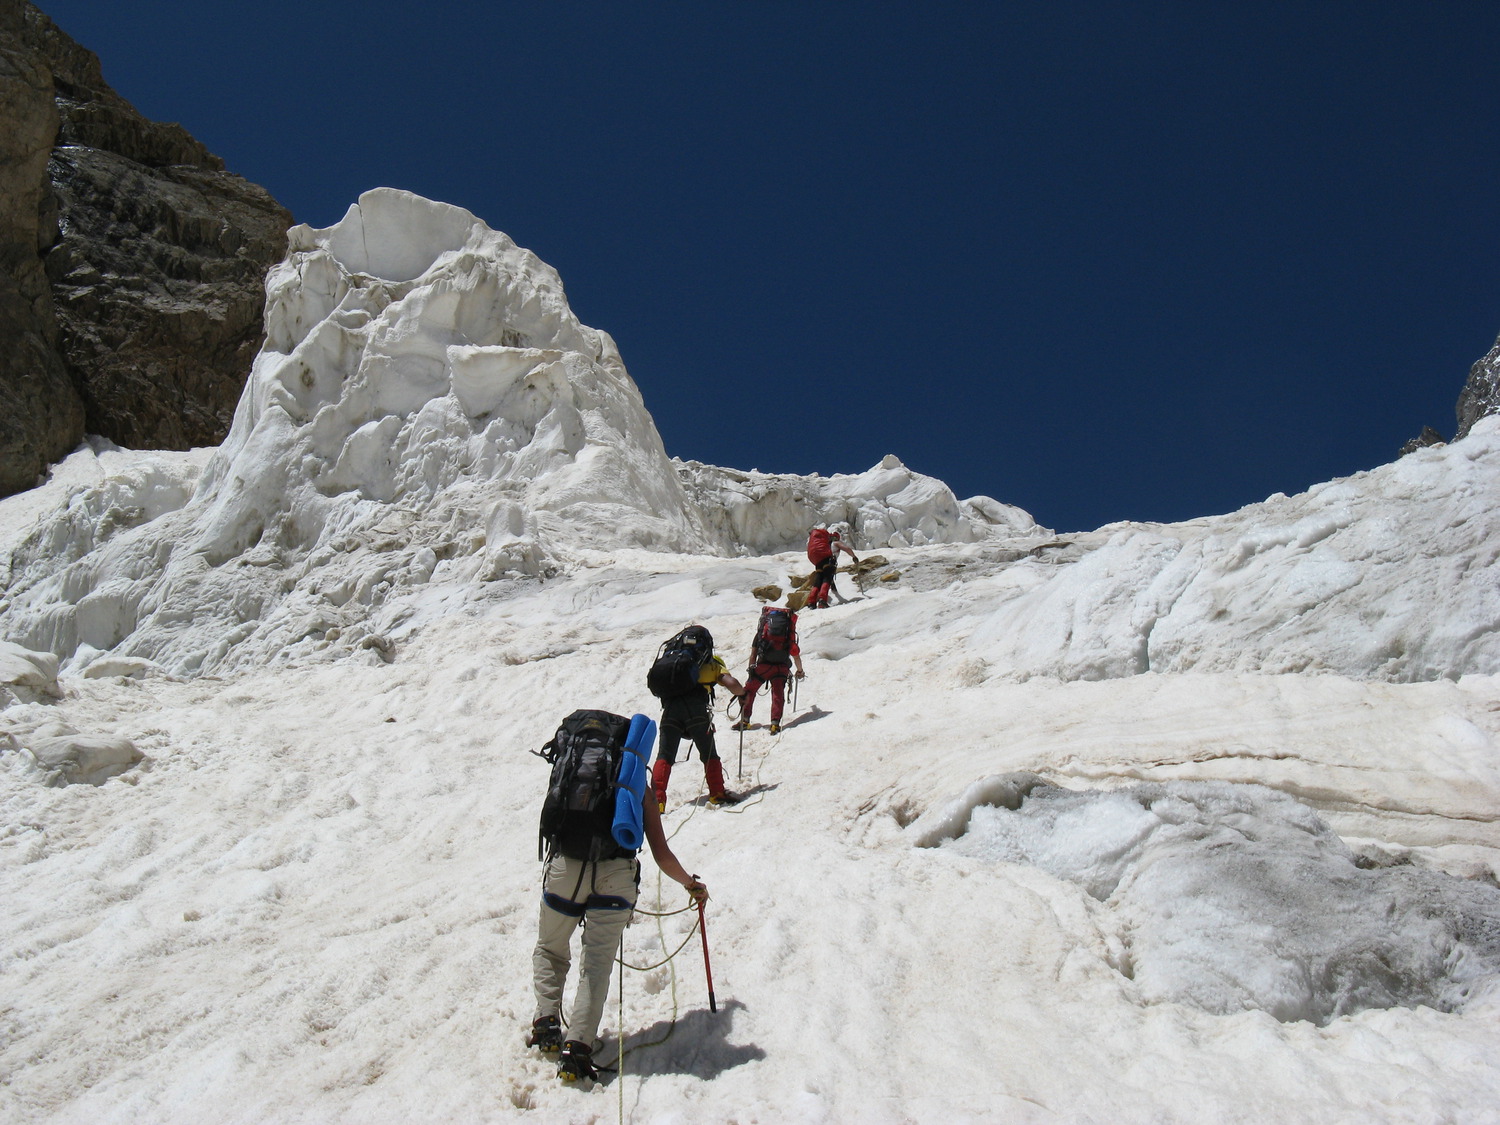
{"x": 772, "y": 654}
{"x": 823, "y": 547}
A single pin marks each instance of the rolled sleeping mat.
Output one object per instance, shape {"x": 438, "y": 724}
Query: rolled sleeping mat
{"x": 629, "y": 828}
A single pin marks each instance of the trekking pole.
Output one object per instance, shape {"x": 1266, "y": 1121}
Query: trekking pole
{"x": 620, "y": 1049}
{"x": 795, "y": 681}
{"x": 707, "y": 971}
{"x": 742, "y": 754}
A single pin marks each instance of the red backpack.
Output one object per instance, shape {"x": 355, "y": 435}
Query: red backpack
{"x": 819, "y": 545}
{"x": 774, "y": 637}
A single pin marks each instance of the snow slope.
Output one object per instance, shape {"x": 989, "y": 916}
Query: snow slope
{"x": 1388, "y": 573}
{"x": 315, "y": 900}
{"x": 1149, "y": 824}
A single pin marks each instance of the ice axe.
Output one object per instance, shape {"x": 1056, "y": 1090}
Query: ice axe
{"x": 707, "y": 969}
{"x": 741, "y": 701}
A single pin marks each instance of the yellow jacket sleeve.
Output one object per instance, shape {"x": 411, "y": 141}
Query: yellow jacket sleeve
{"x": 712, "y": 669}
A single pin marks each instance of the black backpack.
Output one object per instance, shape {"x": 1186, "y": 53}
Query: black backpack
{"x": 679, "y": 662}
{"x": 773, "y": 639}
{"x": 585, "y": 757}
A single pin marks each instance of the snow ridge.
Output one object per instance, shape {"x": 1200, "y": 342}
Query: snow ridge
{"x": 426, "y": 409}
{"x": 1390, "y": 573}
{"x": 428, "y": 423}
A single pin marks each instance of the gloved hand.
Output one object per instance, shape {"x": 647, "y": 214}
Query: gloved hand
{"x": 697, "y": 891}
{"x": 801, "y": 675}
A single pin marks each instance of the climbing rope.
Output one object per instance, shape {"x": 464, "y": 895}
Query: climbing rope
{"x": 622, "y": 1051}
{"x": 666, "y": 914}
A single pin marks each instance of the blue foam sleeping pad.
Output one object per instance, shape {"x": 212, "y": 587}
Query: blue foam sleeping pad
{"x": 629, "y": 829}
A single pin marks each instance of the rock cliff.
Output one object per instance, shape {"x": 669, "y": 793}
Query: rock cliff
{"x": 146, "y": 265}
{"x": 1481, "y": 394}
{"x": 41, "y": 414}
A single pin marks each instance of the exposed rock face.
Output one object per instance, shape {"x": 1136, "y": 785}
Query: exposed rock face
{"x": 1481, "y": 394}
{"x": 156, "y": 259}
{"x": 1425, "y": 440}
{"x": 41, "y": 415}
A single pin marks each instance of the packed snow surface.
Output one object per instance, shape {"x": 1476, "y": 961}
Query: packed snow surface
{"x": 1232, "y": 897}
{"x": 1388, "y": 573}
{"x": 1148, "y": 824}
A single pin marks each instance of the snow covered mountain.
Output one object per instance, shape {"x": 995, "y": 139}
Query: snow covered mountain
{"x": 1150, "y": 823}
{"x": 426, "y": 409}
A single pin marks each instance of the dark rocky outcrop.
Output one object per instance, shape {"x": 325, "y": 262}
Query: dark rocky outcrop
{"x": 41, "y": 414}
{"x": 1481, "y": 394}
{"x": 1428, "y": 437}
{"x": 1480, "y": 397}
{"x": 154, "y": 260}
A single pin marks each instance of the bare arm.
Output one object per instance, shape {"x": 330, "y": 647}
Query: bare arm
{"x": 661, "y": 852}
{"x": 734, "y": 686}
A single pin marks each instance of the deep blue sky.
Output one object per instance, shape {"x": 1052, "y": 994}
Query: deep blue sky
{"x": 1104, "y": 261}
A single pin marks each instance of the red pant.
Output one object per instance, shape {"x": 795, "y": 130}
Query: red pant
{"x": 822, "y": 582}
{"x": 763, "y": 673}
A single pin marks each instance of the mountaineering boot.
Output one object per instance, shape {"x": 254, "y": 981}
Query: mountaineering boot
{"x": 743, "y": 724}
{"x": 576, "y": 1062}
{"x": 775, "y": 728}
{"x": 546, "y": 1034}
{"x": 713, "y": 771}
{"x": 660, "y": 773}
